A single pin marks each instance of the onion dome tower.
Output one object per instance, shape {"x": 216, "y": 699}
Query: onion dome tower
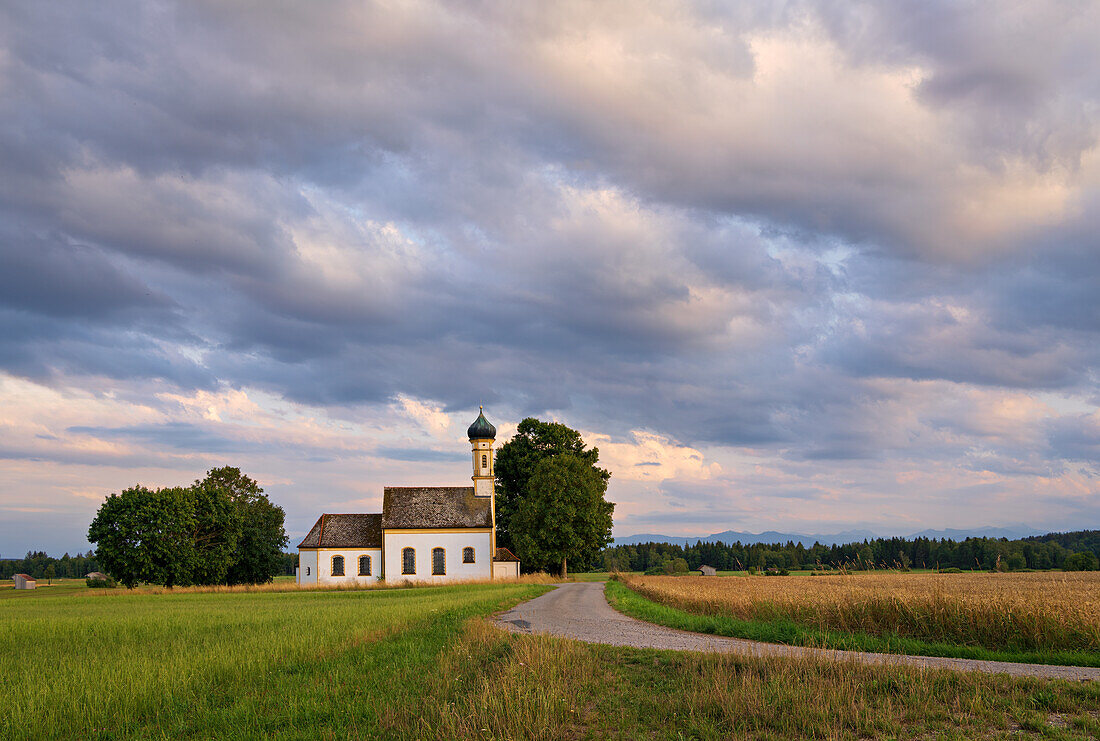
{"x": 482, "y": 434}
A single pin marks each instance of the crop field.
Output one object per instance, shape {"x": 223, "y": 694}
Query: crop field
{"x": 424, "y": 663}
{"x": 1023, "y": 612}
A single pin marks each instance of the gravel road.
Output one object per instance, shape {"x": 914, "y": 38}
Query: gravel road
{"x": 580, "y": 611}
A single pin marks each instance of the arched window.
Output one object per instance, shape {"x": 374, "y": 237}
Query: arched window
{"x": 408, "y": 561}
{"x": 484, "y": 461}
{"x": 337, "y": 565}
{"x": 364, "y": 566}
{"x": 467, "y": 555}
{"x": 439, "y": 563}
{"x": 307, "y": 571}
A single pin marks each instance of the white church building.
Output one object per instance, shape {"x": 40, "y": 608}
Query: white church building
{"x": 424, "y": 533}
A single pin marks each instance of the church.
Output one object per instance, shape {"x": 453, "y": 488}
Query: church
{"x": 424, "y": 533}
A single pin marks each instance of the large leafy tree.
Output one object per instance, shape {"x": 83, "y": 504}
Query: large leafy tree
{"x": 563, "y": 515}
{"x": 259, "y": 547}
{"x": 516, "y": 460}
{"x": 220, "y": 530}
{"x": 144, "y": 535}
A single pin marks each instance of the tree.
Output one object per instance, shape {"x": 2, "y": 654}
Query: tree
{"x": 258, "y": 555}
{"x": 564, "y": 514}
{"x": 516, "y": 460}
{"x": 144, "y": 535}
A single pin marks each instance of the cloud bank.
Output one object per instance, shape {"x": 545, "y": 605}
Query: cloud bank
{"x": 799, "y": 265}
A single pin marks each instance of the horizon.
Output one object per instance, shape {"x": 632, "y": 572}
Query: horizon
{"x": 807, "y": 267}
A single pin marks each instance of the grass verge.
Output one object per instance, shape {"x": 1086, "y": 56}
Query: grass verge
{"x": 627, "y": 601}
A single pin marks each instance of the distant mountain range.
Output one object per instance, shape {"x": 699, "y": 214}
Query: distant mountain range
{"x": 847, "y": 536}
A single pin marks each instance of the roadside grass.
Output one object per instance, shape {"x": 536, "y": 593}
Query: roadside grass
{"x": 785, "y": 630}
{"x": 494, "y": 685}
{"x": 425, "y": 663}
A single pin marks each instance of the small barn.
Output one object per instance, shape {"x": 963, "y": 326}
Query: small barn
{"x": 505, "y": 564}
{"x": 96, "y": 576}
{"x": 24, "y": 581}
{"x": 705, "y": 570}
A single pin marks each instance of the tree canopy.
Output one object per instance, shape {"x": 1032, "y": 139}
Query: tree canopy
{"x": 563, "y": 515}
{"x": 516, "y": 460}
{"x": 220, "y": 530}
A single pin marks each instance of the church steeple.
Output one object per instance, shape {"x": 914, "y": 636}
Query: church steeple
{"x": 482, "y": 434}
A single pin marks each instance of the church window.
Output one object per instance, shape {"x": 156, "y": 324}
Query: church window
{"x": 439, "y": 566}
{"x": 408, "y": 561}
{"x": 307, "y": 571}
{"x": 337, "y": 565}
{"x": 364, "y": 566}
{"x": 467, "y": 555}
{"x": 484, "y": 461}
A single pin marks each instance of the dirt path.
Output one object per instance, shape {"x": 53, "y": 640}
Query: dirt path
{"x": 580, "y": 611}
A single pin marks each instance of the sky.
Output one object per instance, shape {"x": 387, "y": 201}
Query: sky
{"x": 802, "y": 266}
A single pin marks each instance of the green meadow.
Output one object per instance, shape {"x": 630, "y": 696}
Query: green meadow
{"x": 424, "y": 663}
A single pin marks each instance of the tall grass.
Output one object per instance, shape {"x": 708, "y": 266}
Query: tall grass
{"x": 84, "y": 666}
{"x": 1019, "y": 612}
{"x": 491, "y": 685}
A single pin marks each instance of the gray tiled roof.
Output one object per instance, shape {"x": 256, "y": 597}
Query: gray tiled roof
{"x": 434, "y": 506}
{"x": 345, "y": 531}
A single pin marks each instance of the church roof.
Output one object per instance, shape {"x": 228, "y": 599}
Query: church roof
{"x": 345, "y": 531}
{"x": 434, "y": 506}
{"x": 503, "y": 554}
{"x": 481, "y": 429}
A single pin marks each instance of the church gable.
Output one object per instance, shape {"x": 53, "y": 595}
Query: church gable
{"x": 419, "y": 507}
{"x": 345, "y": 531}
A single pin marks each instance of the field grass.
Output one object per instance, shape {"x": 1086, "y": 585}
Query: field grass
{"x": 1035, "y": 617}
{"x": 423, "y": 663}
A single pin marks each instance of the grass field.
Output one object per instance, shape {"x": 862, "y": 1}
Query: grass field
{"x": 423, "y": 663}
{"x": 1039, "y": 617}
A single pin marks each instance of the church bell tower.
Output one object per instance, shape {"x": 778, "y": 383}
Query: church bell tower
{"x": 482, "y": 434}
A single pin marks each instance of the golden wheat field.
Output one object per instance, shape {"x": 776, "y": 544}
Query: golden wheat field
{"x": 1031, "y": 611}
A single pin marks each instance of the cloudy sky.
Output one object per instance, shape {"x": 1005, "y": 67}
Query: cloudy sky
{"x": 799, "y": 266}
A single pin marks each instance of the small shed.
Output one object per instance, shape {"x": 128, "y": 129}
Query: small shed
{"x": 96, "y": 576}
{"x": 705, "y": 570}
{"x": 24, "y": 581}
{"x": 505, "y": 564}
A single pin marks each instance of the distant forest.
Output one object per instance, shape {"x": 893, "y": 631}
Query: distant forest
{"x": 38, "y": 565}
{"x": 1051, "y": 551}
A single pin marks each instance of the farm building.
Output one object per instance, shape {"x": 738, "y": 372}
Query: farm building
{"x": 705, "y": 570}
{"x": 24, "y": 581}
{"x": 424, "y": 533}
{"x": 96, "y": 576}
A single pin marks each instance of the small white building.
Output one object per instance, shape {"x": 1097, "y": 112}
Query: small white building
{"x": 24, "y": 581}
{"x": 424, "y": 533}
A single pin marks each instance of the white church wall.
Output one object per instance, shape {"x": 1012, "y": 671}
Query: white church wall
{"x": 351, "y": 565}
{"x": 505, "y": 570}
{"x": 307, "y": 567}
{"x": 451, "y": 541}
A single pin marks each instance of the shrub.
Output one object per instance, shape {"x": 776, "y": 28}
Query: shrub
{"x": 107, "y": 583}
{"x": 951, "y": 570}
{"x": 1081, "y": 562}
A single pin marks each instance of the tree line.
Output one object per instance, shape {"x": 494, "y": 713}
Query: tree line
{"x": 220, "y": 530}
{"x": 41, "y": 566}
{"x": 1079, "y": 551}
